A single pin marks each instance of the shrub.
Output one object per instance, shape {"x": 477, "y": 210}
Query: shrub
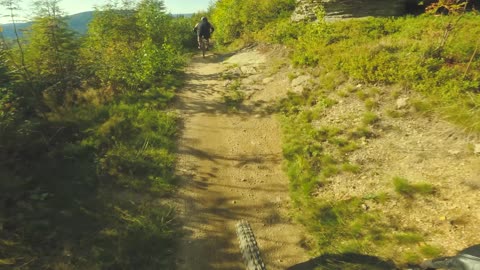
{"x": 251, "y": 17}
{"x": 370, "y": 118}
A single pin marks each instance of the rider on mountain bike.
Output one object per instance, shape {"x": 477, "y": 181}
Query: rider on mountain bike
{"x": 203, "y": 29}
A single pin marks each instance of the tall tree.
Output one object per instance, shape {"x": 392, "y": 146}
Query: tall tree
{"x": 13, "y": 6}
{"x": 108, "y": 53}
{"x": 52, "y": 50}
{"x": 153, "y": 20}
{"x": 131, "y": 49}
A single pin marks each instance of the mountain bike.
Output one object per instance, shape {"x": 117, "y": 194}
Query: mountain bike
{"x": 467, "y": 259}
{"x": 203, "y": 45}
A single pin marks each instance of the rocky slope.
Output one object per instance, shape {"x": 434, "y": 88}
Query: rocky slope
{"x": 337, "y": 9}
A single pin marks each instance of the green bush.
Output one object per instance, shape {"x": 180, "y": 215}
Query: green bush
{"x": 250, "y": 17}
{"x": 142, "y": 47}
{"x": 403, "y": 50}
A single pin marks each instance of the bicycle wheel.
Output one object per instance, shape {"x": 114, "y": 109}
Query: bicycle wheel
{"x": 249, "y": 247}
{"x": 204, "y": 47}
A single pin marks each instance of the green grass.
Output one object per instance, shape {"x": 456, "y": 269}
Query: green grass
{"x": 370, "y": 104}
{"x": 95, "y": 197}
{"x": 405, "y": 188}
{"x": 363, "y": 95}
{"x": 347, "y": 167}
{"x": 431, "y": 251}
{"x": 370, "y": 118}
{"x": 393, "y": 113}
{"x": 233, "y": 96}
{"x": 361, "y": 132}
{"x": 422, "y": 106}
{"x": 408, "y": 238}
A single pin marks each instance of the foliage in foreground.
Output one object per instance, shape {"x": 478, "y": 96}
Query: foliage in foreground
{"x": 86, "y": 142}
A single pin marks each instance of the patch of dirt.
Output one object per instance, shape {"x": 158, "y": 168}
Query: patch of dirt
{"x": 418, "y": 148}
{"x": 230, "y": 167}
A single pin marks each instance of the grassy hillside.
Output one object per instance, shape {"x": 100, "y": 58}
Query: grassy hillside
{"x": 434, "y": 56}
{"x": 435, "y": 60}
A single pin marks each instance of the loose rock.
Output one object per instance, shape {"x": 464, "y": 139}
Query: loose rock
{"x": 402, "y": 103}
{"x": 301, "y": 80}
{"x": 476, "y": 149}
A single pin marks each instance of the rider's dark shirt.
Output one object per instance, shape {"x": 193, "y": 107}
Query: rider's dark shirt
{"x": 204, "y": 29}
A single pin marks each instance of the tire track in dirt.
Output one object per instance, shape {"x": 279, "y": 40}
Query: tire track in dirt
{"x": 230, "y": 169}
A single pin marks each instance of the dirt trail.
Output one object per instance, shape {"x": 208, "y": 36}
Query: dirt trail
{"x": 230, "y": 166}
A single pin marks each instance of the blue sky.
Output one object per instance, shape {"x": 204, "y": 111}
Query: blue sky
{"x": 76, "y": 6}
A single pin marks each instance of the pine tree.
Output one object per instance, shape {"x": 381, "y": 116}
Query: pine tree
{"x": 52, "y": 51}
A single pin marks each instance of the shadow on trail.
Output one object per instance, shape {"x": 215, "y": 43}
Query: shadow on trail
{"x": 212, "y": 203}
{"x": 260, "y": 109}
{"x": 207, "y": 85}
{"x": 241, "y": 160}
{"x": 213, "y": 58}
{"x": 216, "y": 244}
{"x": 346, "y": 261}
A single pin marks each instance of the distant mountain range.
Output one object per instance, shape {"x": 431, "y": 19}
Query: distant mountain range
{"x": 77, "y": 22}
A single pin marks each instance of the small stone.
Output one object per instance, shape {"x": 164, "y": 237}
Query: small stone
{"x": 476, "y": 149}
{"x": 453, "y": 152}
{"x": 298, "y": 89}
{"x": 301, "y": 80}
{"x": 402, "y": 103}
{"x": 365, "y": 207}
{"x": 248, "y": 70}
{"x": 234, "y": 202}
{"x": 267, "y": 80}
{"x": 248, "y": 81}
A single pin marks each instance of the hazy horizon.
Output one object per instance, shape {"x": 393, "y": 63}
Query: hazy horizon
{"x": 71, "y": 7}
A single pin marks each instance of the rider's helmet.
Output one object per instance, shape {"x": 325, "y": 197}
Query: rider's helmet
{"x": 204, "y": 19}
